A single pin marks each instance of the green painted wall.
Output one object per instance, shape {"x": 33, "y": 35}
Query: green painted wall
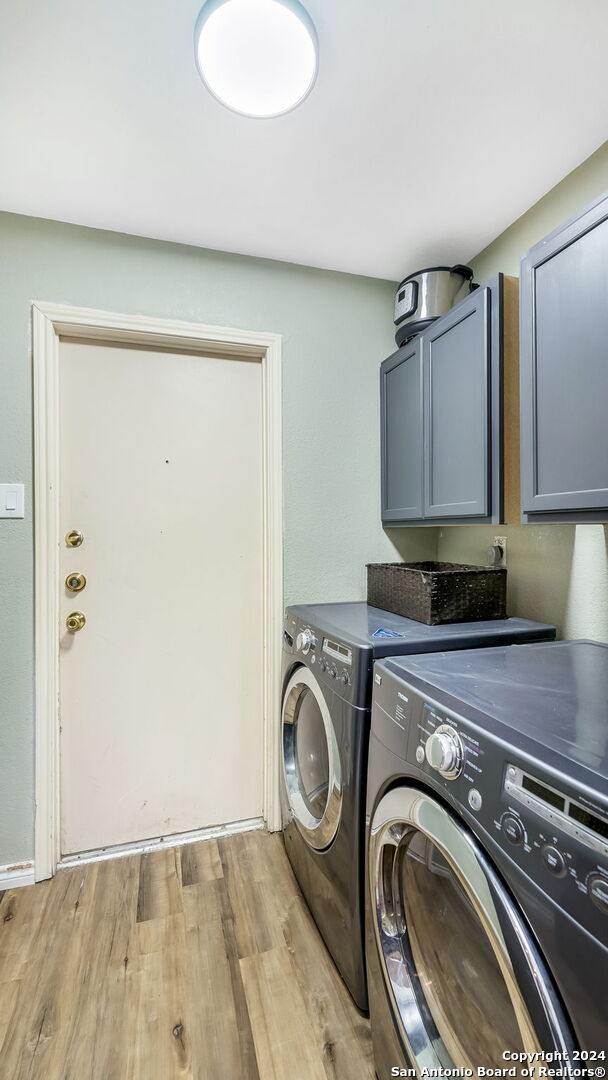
{"x": 556, "y": 573}
{"x": 335, "y": 329}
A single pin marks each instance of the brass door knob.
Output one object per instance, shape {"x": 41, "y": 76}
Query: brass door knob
{"x": 75, "y": 582}
{"x": 75, "y": 621}
{"x": 74, "y": 538}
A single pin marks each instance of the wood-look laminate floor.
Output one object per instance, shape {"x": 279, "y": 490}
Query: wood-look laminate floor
{"x": 200, "y": 962}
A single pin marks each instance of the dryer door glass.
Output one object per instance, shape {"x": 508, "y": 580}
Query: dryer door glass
{"x": 464, "y": 976}
{"x": 464, "y": 988}
{"x": 311, "y": 760}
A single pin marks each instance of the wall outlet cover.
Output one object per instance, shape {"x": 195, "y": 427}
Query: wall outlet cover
{"x": 501, "y": 542}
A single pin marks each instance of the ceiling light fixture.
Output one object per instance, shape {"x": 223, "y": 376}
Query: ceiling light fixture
{"x": 257, "y": 57}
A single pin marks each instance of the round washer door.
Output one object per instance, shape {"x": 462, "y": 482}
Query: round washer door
{"x": 463, "y": 974}
{"x": 311, "y": 760}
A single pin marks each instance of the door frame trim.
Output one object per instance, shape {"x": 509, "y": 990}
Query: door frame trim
{"x": 50, "y": 322}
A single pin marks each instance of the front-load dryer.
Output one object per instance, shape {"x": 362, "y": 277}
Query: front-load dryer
{"x": 328, "y": 653}
{"x": 487, "y": 860}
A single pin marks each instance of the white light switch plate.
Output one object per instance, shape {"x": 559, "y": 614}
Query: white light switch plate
{"x": 12, "y": 501}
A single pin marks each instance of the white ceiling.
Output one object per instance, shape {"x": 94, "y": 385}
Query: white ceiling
{"x": 432, "y": 126}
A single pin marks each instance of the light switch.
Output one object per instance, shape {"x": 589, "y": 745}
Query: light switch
{"x": 11, "y": 501}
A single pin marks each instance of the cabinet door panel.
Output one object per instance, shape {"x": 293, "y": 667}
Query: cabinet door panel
{"x": 564, "y": 369}
{"x": 457, "y": 412}
{"x": 401, "y": 423}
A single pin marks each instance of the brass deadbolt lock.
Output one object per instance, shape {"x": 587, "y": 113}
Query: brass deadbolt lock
{"x": 75, "y": 621}
{"x": 75, "y": 582}
{"x": 74, "y": 538}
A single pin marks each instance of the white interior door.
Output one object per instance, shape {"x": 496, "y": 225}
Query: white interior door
{"x": 161, "y": 690}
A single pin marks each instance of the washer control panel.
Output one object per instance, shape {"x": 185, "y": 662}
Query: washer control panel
{"x": 343, "y": 668}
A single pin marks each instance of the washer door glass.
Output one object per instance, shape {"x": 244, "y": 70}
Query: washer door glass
{"x": 457, "y": 957}
{"x": 311, "y": 760}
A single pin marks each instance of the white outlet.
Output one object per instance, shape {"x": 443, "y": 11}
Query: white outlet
{"x": 501, "y": 542}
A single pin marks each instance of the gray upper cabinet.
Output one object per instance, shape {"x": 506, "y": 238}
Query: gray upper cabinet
{"x": 457, "y": 372}
{"x": 401, "y": 425}
{"x": 564, "y": 372}
{"x": 442, "y": 418}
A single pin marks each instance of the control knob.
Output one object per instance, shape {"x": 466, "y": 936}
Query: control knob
{"x": 513, "y": 829}
{"x": 305, "y": 641}
{"x": 597, "y": 886}
{"x": 445, "y": 752}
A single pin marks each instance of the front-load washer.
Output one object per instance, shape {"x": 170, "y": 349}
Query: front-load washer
{"x": 487, "y": 860}
{"x": 328, "y": 652}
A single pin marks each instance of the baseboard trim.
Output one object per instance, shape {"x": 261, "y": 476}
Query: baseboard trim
{"x": 16, "y": 875}
{"x": 142, "y": 847}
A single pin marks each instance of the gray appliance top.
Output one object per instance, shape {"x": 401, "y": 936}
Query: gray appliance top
{"x": 367, "y": 627}
{"x": 553, "y": 693}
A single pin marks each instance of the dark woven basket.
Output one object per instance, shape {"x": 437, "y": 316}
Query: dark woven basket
{"x": 438, "y": 592}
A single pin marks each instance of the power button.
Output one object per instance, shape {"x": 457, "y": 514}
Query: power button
{"x": 475, "y": 799}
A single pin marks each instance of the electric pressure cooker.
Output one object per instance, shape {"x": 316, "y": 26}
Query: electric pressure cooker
{"x": 425, "y": 295}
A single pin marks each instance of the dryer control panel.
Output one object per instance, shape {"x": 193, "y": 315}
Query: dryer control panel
{"x": 570, "y": 833}
{"x": 559, "y": 839}
{"x": 556, "y": 834}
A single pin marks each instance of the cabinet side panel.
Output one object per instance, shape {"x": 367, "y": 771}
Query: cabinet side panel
{"x": 511, "y": 428}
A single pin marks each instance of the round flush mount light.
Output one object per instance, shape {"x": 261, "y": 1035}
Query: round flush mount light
{"x": 257, "y": 57}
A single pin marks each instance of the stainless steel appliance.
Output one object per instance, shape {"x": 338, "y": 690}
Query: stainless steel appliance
{"x": 487, "y": 903}
{"x": 424, "y": 296}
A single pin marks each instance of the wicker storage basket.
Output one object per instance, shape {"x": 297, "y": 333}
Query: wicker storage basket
{"x": 438, "y": 592}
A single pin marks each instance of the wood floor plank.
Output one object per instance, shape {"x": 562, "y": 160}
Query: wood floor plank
{"x": 243, "y": 1019}
{"x": 101, "y": 980}
{"x": 156, "y": 935}
{"x": 341, "y": 1032}
{"x": 200, "y": 862}
{"x": 159, "y": 884}
{"x": 45, "y": 998}
{"x": 248, "y": 851}
{"x": 19, "y": 920}
{"x": 222, "y": 1040}
{"x": 278, "y": 877}
{"x": 281, "y": 1029}
{"x": 181, "y": 965}
{"x": 161, "y": 1038}
{"x": 255, "y": 927}
{"x": 8, "y": 998}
